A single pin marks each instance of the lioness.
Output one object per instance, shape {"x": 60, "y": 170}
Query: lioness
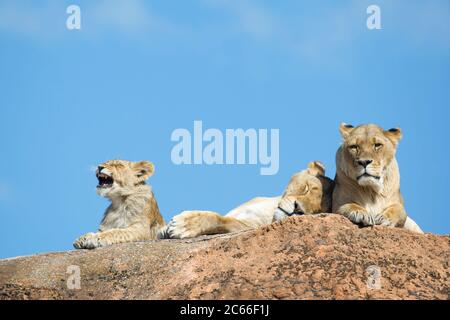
{"x": 308, "y": 192}
{"x": 367, "y": 183}
{"x": 133, "y": 214}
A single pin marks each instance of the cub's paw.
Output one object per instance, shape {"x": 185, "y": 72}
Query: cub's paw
{"x": 88, "y": 241}
{"x": 188, "y": 224}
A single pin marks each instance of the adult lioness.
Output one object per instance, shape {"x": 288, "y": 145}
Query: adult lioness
{"x": 308, "y": 192}
{"x": 133, "y": 214}
{"x": 367, "y": 183}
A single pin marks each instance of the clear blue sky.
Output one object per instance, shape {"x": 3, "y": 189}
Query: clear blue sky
{"x": 137, "y": 70}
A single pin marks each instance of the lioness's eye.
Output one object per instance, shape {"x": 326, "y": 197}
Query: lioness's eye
{"x": 353, "y": 147}
{"x": 304, "y": 189}
{"x": 377, "y": 145}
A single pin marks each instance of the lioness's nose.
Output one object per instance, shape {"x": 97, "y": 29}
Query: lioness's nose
{"x": 100, "y": 168}
{"x": 364, "y": 163}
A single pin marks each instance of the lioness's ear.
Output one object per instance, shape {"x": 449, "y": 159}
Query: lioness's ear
{"x": 345, "y": 129}
{"x": 144, "y": 169}
{"x": 316, "y": 168}
{"x": 394, "y": 134}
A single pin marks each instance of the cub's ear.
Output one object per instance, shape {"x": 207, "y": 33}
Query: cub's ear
{"x": 144, "y": 169}
{"x": 345, "y": 129}
{"x": 316, "y": 168}
{"x": 394, "y": 134}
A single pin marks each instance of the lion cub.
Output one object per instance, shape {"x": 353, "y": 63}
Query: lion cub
{"x": 133, "y": 214}
{"x": 367, "y": 183}
{"x": 308, "y": 192}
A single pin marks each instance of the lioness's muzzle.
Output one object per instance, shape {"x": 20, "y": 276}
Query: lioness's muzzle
{"x": 299, "y": 213}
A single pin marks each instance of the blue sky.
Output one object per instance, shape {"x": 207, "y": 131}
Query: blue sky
{"x": 137, "y": 70}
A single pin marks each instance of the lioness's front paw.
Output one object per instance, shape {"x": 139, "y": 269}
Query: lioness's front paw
{"x": 361, "y": 218}
{"x": 366, "y": 219}
{"x": 188, "y": 224}
{"x": 88, "y": 241}
{"x": 383, "y": 221}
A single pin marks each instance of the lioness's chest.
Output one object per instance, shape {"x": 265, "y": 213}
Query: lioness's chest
{"x": 374, "y": 206}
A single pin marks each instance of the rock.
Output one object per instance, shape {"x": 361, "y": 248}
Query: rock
{"x": 308, "y": 257}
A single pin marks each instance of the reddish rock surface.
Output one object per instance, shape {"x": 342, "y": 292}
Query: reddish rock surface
{"x": 309, "y": 257}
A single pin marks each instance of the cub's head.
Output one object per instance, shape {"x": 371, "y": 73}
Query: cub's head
{"x": 308, "y": 192}
{"x": 119, "y": 177}
{"x": 365, "y": 153}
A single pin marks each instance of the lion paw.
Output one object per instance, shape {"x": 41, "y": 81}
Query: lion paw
{"x": 88, "y": 241}
{"x": 188, "y": 224}
{"x": 361, "y": 218}
{"x": 366, "y": 219}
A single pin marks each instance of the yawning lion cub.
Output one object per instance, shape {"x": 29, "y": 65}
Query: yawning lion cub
{"x": 133, "y": 214}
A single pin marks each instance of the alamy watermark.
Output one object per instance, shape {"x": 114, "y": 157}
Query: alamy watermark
{"x": 74, "y": 278}
{"x": 73, "y": 21}
{"x": 373, "y": 277}
{"x": 374, "y": 20}
{"x": 235, "y": 146}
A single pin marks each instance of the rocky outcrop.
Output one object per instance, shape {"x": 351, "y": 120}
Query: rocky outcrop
{"x": 308, "y": 257}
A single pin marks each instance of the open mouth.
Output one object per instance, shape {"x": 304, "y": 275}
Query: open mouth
{"x": 104, "y": 181}
{"x": 367, "y": 175}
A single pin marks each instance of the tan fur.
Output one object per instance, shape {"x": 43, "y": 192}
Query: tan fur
{"x": 308, "y": 192}
{"x": 133, "y": 214}
{"x": 367, "y": 183}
